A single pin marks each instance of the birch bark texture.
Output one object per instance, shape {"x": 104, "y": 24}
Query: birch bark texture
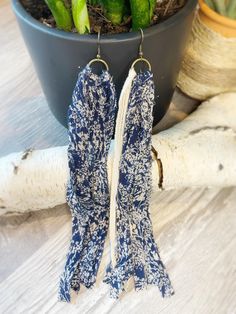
{"x": 200, "y": 151}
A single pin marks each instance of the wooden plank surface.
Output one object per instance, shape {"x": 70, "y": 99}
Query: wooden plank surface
{"x": 24, "y": 115}
{"x": 196, "y": 234}
{"x": 195, "y": 229}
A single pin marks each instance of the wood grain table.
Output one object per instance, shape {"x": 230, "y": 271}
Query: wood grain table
{"x": 195, "y": 229}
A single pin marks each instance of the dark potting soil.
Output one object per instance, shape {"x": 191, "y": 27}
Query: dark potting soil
{"x": 164, "y": 9}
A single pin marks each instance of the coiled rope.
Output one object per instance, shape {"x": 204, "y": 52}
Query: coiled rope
{"x": 209, "y": 64}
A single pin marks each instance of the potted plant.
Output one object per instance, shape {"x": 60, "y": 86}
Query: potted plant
{"x": 209, "y": 64}
{"x": 219, "y": 15}
{"x": 57, "y": 52}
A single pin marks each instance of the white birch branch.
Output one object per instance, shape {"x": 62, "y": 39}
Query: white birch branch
{"x": 199, "y": 151}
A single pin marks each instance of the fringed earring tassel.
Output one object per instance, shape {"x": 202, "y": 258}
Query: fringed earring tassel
{"x": 118, "y": 145}
{"x": 136, "y": 253}
{"x": 111, "y": 274}
{"x": 91, "y": 126}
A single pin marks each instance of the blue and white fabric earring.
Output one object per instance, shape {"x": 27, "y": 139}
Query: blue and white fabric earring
{"x": 134, "y": 252}
{"x": 91, "y": 120}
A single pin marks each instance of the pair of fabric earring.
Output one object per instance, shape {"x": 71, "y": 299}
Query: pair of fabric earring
{"x": 121, "y": 204}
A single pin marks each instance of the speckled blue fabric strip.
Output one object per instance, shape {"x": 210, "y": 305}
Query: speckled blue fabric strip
{"x": 90, "y": 125}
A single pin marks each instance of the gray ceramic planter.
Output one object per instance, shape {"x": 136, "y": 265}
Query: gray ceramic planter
{"x": 57, "y": 54}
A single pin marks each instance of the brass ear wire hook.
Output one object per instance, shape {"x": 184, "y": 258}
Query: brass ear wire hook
{"x": 98, "y": 56}
{"x": 98, "y": 45}
{"x": 141, "y": 58}
{"x": 141, "y": 44}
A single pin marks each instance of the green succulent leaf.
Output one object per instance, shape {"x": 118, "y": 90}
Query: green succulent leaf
{"x": 223, "y": 7}
{"x": 61, "y": 14}
{"x": 140, "y": 10}
{"x": 231, "y": 9}
{"x": 152, "y": 5}
{"x": 80, "y": 16}
{"x": 220, "y": 7}
{"x": 210, "y": 4}
{"x": 114, "y": 10}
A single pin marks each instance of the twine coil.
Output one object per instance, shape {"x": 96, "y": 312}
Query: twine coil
{"x": 209, "y": 64}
